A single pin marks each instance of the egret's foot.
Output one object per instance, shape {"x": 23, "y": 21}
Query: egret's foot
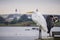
{"x": 38, "y": 39}
{"x": 48, "y": 38}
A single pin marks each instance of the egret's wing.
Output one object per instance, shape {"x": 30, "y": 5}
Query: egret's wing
{"x": 40, "y": 20}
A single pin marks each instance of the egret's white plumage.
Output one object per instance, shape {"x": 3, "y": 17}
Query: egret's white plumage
{"x": 39, "y": 19}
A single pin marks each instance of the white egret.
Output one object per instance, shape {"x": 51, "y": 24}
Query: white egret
{"x": 39, "y": 19}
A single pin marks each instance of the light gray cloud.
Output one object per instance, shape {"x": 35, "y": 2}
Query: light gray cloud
{"x": 26, "y": 5}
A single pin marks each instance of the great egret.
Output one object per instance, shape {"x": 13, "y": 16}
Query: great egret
{"x": 39, "y": 19}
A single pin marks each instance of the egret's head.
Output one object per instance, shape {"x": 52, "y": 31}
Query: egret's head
{"x": 36, "y": 10}
{"x": 33, "y": 11}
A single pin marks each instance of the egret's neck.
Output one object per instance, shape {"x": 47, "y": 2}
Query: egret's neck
{"x": 35, "y": 12}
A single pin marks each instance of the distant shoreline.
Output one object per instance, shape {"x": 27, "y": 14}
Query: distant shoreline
{"x": 18, "y": 26}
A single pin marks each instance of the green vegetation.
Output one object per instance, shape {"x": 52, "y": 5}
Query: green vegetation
{"x": 27, "y": 23}
{"x": 57, "y": 24}
{"x": 22, "y": 21}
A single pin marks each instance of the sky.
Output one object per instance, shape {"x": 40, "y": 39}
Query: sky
{"x": 23, "y": 6}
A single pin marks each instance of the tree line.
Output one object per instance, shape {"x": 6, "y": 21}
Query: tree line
{"x": 23, "y": 18}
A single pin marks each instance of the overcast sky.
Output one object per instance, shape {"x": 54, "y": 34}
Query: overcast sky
{"x": 23, "y": 6}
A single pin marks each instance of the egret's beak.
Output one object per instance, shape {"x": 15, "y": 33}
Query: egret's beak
{"x": 30, "y": 12}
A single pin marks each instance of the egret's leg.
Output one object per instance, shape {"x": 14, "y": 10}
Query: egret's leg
{"x": 39, "y": 33}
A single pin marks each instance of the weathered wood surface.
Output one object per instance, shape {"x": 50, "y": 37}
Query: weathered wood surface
{"x": 56, "y": 38}
{"x": 49, "y": 38}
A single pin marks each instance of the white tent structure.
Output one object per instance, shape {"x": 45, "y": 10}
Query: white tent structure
{"x": 39, "y": 19}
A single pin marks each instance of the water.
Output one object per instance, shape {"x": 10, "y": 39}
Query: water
{"x": 18, "y": 38}
{"x": 18, "y": 33}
